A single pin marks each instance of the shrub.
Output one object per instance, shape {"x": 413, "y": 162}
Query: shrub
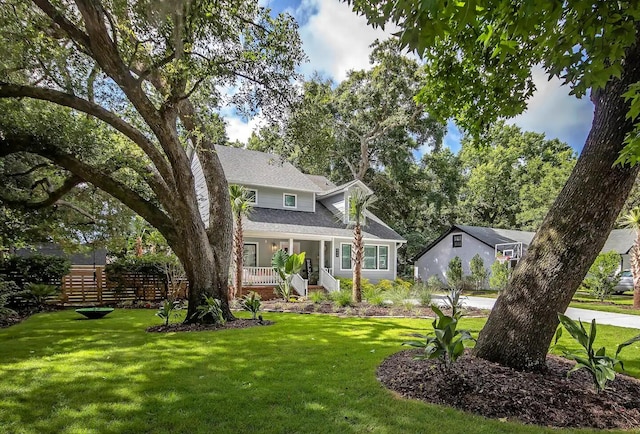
{"x": 317, "y": 296}
{"x": 345, "y": 284}
{"x": 454, "y": 272}
{"x": 286, "y": 266}
{"x": 478, "y": 272}
{"x": 403, "y": 283}
{"x": 423, "y": 293}
{"x": 40, "y": 292}
{"x": 211, "y": 311}
{"x": 603, "y": 275}
{"x": 167, "y": 309}
{"x": 434, "y": 283}
{"x": 375, "y": 296}
{"x": 447, "y": 342}
{"x": 600, "y": 366}
{"x": 36, "y": 268}
{"x": 500, "y": 274}
{"x": 342, "y": 298}
{"x": 8, "y": 290}
{"x": 385, "y": 285}
{"x": 400, "y": 296}
{"x": 251, "y": 302}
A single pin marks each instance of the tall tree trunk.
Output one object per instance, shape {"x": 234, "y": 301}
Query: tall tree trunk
{"x": 524, "y": 319}
{"x": 635, "y": 270}
{"x": 357, "y": 264}
{"x": 238, "y": 247}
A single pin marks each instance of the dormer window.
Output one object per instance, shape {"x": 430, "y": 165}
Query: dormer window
{"x": 290, "y": 200}
{"x": 252, "y": 195}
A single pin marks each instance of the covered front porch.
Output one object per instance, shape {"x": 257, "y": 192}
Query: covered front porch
{"x": 258, "y": 252}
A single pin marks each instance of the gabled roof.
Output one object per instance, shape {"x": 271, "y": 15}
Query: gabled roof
{"x": 620, "y": 240}
{"x": 344, "y": 187}
{"x": 322, "y": 222}
{"x": 244, "y": 166}
{"x": 322, "y": 182}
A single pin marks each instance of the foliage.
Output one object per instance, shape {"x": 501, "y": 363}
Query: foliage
{"x": 423, "y": 292}
{"x": 478, "y": 272}
{"x": 499, "y": 277}
{"x": 454, "y": 301}
{"x": 435, "y": 284}
{"x": 317, "y": 297}
{"x": 150, "y": 264}
{"x": 604, "y": 275}
{"x": 454, "y": 273}
{"x": 600, "y": 366}
{"x": 447, "y": 342}
{"x": 37, "y": 268}
{"x": 286, "y": 266}
{"x": 400, "y": 296}
{"x": 8, "y": 290}
{"x": 631, "y": 220}
{"x": 341, "y": 298}
{"x": 251, "y": 303}
{"x": 168, "y": 308}
{"x": 358, "y": 203}
{"x": 211, "y": 311}
{"x": 375, "y": 294}
{"x": 40, "y": 292}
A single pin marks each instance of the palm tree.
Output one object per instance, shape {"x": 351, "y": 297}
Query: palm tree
{"x": 632, "y": 221}
{"x": 358, "y": 203}
{"x": 241, "y": 206}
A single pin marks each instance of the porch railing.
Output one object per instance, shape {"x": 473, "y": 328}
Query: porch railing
{"x": 300, "y": 285}
{"x": 260, "y": 276}
{"x": 326, "y": 280}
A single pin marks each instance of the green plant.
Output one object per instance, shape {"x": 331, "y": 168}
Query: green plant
{"x": 384, "y": 285}
{"x": 40, "y": 292}
{"x": 251, "y": 303}
{"x": 7, "y": 289}
{"x": 454, "y": 301}
{"x": 211, "y": 311}
{"x": 603, "y": 275}
{"x": 400, "y": 296}
{"x": 317, "y": 296}
{"x": 403, "y": 283}
{"x": 374, "y": 294}
{"x": 434, "y": 283}
{"x": 342, "y": 298}
{"x": 454, "y": 272}
{"x": 168, "y": 308}
{"x": 286, "y": 266}
{"x": 447, "y": 342}
{"x": 478, "y": 272}
{"x": 600, "y": 366}
{"x": 36, "y": 268}
{"x": 500, "y": 274}
{"x": 422, "y": 292}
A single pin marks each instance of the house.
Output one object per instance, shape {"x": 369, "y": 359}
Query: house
{"x": 493, "y": 244}
{"x": 300, "y": 213}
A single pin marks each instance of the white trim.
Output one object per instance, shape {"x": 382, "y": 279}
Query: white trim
{"x": 255, "y": 191}
{"x": 311, "y": 237}
{"x": 385, "y": 270}
{"x": 284, "y": 200}
{"x": 314, "y": 201}
{"x": 255, "y": 243}
{"x": 350, "y": 258}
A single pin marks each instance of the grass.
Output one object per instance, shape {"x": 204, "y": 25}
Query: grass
{"x": 60, "y": 373}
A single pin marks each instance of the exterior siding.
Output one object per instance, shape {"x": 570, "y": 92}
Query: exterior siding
{"x": 335, "y": 203}
{"x": 273, "y": 198}
{"x": 436, "y": 260}
{"x": 266, "y": 249}
{"x": 373, "y": 275}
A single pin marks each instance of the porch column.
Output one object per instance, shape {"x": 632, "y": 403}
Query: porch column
{"x": 321, "y": 255}
{"x": 291, "y": 246}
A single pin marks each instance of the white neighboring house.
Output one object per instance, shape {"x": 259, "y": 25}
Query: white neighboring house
{"x": 300, "y": 213}
{"x": 494, "y": 244}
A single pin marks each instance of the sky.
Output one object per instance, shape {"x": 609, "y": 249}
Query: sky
{"x": 336, "y": 40}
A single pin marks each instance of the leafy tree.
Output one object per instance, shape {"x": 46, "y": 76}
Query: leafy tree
{"x": 241, "y": 206}
{"x": 604, "y": 275}
{"x": 478, "y": 67}
{"x": 359, "y": 201}
{"x": 478, "y": 272}
{"x": 454, "y": 273}
{"x": 632, "y": 221}
{"x": 152, "y": 76}
{"x": 500, "y": 274}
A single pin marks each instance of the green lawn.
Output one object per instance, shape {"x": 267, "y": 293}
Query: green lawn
{"x": 307, "y": 373}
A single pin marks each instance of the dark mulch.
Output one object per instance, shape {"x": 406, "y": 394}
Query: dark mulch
{"x": 236, "y": 324}
{"x": 361, "y": 309}
{"x": 491, "y": 390}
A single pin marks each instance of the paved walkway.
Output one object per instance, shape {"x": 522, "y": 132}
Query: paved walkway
{"x": 585, "y": 315}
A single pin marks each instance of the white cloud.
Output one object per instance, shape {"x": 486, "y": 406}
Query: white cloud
{"x": 552, "y": 111}
{"x": 239, "y": 129}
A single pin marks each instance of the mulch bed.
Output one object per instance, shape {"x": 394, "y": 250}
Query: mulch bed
{"x": 236, "y": 324}
{"x": 360, "y": 310}
{"x": 491, "y": 390}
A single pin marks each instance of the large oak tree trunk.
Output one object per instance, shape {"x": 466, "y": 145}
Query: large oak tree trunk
{"x": 524, "y": 319}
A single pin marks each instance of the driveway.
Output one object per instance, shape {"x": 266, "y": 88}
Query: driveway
{"x": 585, "y": 315}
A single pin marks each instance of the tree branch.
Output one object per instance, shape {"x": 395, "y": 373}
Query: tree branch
{"x": 8, "y": 90}
{"x": 67, "y": 26}
{"x": 31, "y": 170}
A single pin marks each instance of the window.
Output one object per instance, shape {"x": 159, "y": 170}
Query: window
{"x": 252, "y": 196}
{"x": 374, "y": 258}
{"x": 250, "y": 255}
{"x": 457, "y": 240}
{"x": 289, "y": 200}
{"x": 345, "y": 259}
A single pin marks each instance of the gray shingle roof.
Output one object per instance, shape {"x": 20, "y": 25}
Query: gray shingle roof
{"x": 322, "y": 182}
{"x": 244, "y": 166}
{"x": 322, "y": 222}
{"x": 620, "y": 241}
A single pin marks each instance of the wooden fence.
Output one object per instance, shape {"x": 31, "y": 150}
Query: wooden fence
{"x": 89, "y": 285}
